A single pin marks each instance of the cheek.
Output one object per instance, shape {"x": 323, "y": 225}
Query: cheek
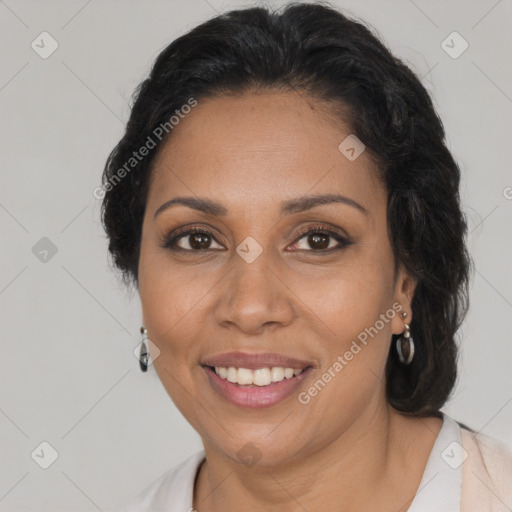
{"x": 171, "y": 314}
{"x": 171, "y": 306}
{"x": 345, "y": 313}
{"x": 354, "y": 361}
{"x": 167, "y": 292}
{"x": 349, "y": 298}
{"x": 168, "y": 300}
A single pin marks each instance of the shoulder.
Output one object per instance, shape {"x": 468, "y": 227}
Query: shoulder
{"x": 173, "y": 490}
{"x": 486, "y": 473}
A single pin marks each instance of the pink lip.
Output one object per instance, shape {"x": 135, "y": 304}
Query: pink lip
{"x": 255, "y": 361}
{"x": 255, "y": 397}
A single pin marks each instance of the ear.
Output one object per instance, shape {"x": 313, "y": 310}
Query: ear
{"x": 405, "y": 287}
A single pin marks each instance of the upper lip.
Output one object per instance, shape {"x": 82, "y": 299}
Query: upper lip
{"x": 255, "y": 361}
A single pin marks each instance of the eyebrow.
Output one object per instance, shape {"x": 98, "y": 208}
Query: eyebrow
{"x": 290, "y": 206}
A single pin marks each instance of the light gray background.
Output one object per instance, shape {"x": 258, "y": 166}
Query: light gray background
{"x": 68, "y": 374}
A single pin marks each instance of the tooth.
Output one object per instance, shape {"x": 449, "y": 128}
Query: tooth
{"x": 244, "y": 376}
{"x": 259, "y": 377}
{"x": 262, "y": 377}
{"x": 232, "y": 374}
{"x": 277, "y": 374}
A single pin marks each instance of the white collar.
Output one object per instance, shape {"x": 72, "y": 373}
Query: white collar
{"x": 441, "y": 484}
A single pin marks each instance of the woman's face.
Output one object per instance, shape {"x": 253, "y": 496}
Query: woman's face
{"x": 248, "y": 289}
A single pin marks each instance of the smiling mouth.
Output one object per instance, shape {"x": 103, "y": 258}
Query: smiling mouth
{"x": 260, "y": 377}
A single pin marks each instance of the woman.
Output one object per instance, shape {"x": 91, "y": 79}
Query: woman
{"x": 286, "y": 206}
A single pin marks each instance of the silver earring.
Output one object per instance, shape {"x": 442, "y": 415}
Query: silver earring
{"x": 144, "y": 354}
{"x": 402, "y": 341}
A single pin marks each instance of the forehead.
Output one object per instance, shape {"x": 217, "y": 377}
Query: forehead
{"x": 260, "y": 147}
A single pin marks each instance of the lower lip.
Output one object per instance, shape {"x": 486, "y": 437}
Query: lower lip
{"x": 255, "y": 397}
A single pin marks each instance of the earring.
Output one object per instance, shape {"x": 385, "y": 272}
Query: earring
{"x": 144, "y": 354}
{"x": 406, "y": 338}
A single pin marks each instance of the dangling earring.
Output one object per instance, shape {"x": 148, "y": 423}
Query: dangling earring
{"x": 144, "y": 354}
{"x": 406, "y": 338}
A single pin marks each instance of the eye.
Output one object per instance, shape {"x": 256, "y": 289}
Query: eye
{"x": 191, "y": 239}
{"x": 197, "y": 239}
{"x": 322, "y": 239}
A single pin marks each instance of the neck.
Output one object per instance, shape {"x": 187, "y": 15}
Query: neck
{"x": 368, "y": 463}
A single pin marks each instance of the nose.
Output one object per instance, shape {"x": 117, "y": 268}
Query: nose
{"x": 254, "y": 297}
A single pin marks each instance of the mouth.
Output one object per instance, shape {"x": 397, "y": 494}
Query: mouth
{"x": 257, "y": 380}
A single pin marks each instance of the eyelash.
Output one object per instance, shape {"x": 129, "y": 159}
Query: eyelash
{"x": 171, "y": 239}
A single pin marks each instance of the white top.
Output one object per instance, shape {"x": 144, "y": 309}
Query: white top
{"x": 440, "y": 488}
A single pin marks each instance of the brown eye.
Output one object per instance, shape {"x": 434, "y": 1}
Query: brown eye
{"x": 199, "y": 240}
{"x": 320, "y": 239}
{"x": 191, "y": 240}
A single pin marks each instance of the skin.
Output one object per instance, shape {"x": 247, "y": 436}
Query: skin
{"x": 347, "y": 445}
